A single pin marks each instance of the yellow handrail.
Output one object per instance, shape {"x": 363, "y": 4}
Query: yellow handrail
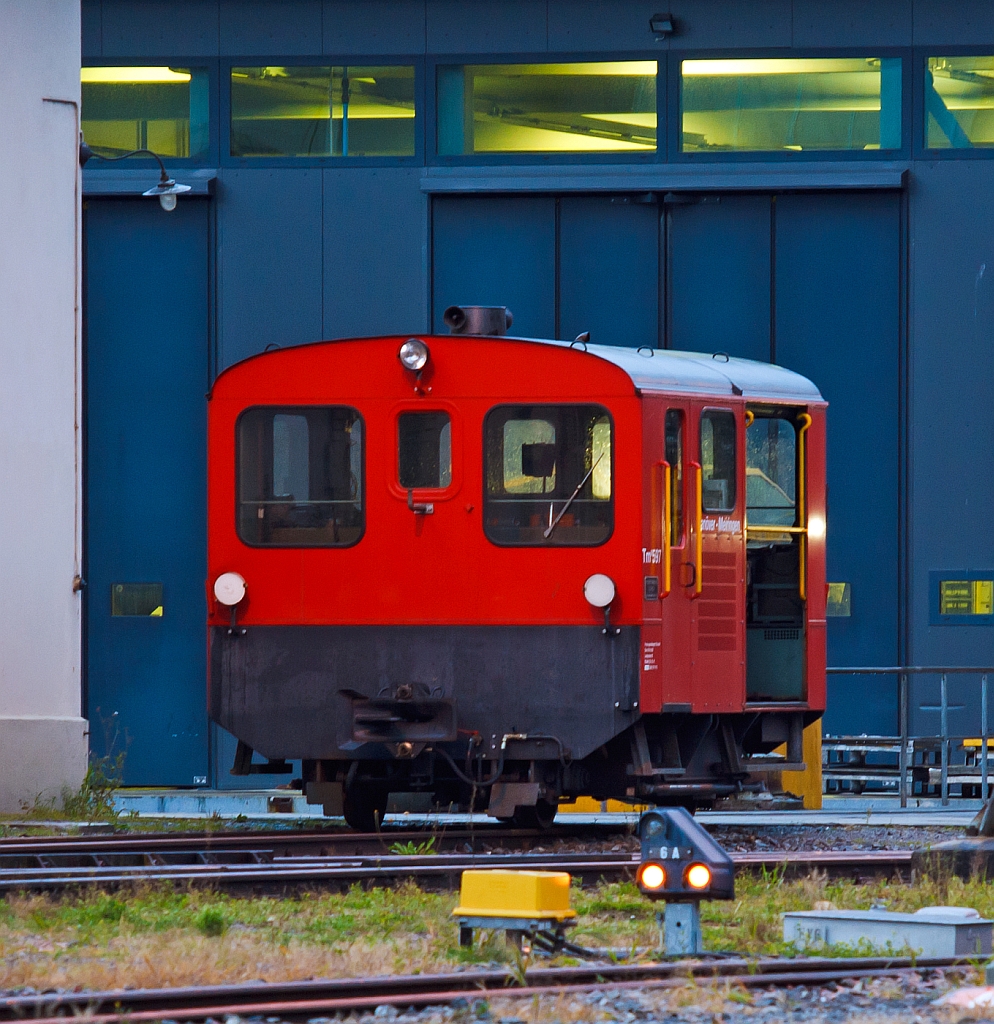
{"x": 802, "y": 506}
{"x": 699, "y": 532}
{"x": 664, "y": 589}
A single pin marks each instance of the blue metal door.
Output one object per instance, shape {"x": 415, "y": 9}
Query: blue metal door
{"x": 718, "y": 275}
{"x": 146, "y": 376}
{"x": 609, "y": 270}
{"x": 496, "y": 252}
{"x": 838, "y": 321}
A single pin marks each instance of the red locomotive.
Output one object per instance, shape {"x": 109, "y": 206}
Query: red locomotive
{"x": 509, "y": 572}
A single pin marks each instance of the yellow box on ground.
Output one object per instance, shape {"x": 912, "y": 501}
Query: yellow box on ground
{"x": 588, "y": 805}
{"x": 807, "y": 784}
{"x": 528, "y": 894}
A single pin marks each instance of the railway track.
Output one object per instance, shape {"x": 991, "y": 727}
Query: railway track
{"x": 303, "y": 999}
{"x": 272, "y": 861}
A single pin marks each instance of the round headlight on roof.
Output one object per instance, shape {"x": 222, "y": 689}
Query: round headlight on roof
{"x": 599, "y": 590}
{"x": 229, "y": 588}
{"x": 413, "y": 354}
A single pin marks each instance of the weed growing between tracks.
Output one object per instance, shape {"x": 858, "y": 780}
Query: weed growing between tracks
{"x": 162, "y": 936}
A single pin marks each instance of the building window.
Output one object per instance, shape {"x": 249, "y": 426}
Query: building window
{"x": 791, "y": 104}
{"x": 604, "y": 107}
{"x": 300, "y": 472}
{"x": 959, "y": 102}
{"x": 548, "y": 471}
{"x": 158, "y": 108}
{"x": 322, "y": 111}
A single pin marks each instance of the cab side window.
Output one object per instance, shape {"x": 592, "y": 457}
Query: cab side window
{"x": 548, "y": 475}
{"x": 718, "y": 460}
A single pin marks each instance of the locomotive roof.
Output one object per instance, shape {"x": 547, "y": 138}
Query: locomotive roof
{"x": 665, "y": 370}
{"x": 698, "y": 372}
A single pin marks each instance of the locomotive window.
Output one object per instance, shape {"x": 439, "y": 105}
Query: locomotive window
{"x": 424, "y": 448}
{"x": 718, "y": 460}
{"x": 548, "y": 472}
{"x": 300, "y": 476}
{"x": 674, "y": 456}
{"x": 771, "y": 454}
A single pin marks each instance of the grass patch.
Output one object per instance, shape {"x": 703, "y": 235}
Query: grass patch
{"x": 164, "y": 936}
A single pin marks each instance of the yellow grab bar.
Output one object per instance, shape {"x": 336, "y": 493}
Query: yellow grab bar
{"x": 699, "y": 531}
{"x": 802, "y": 506}
{"x": 664, "y": 557}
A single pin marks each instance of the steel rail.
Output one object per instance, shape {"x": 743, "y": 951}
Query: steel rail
{"x": 437, "y": 870}
{"x": 304, "y": 998}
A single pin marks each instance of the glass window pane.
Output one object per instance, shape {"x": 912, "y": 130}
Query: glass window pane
{"x": 425, "y": 449}
{"x": 136, "y": 599}
{"x": 718, "y": 460}
{"x": 959, "y": 102}
{"x": 549, "y": 475}
{"x": 674, "y": 456}
{"x": 764, "y": 105}
{"x": 159, "y": 108}
{"x": 771, "y": 455}
{"x": 600, "y": 107}
{"x": 300, "y": 477}
{"x": 322, "y": 111}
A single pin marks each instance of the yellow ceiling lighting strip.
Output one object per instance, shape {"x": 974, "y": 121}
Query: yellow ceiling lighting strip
{"x": 778, "y": 66}
{"x": 131, "y": 76}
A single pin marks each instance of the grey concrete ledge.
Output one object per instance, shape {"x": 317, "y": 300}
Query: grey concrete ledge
{"x": 741, "y": 177}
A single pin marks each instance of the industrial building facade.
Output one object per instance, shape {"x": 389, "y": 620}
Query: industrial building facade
{"x": 801, "y": 181}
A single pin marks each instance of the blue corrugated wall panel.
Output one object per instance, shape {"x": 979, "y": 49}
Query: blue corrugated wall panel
{"x": 260, "y": 27}
{"x": 375, "y": 251}
{"x": 374, "y": 26}
{"x": 156, "y": 28}
{"x": 269, "y": 260}
{"x": 486, "y": 26}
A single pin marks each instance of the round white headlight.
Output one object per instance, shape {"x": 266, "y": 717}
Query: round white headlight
{"x": 599, "y": 590}
{"x": 413, "y": 354}
{"x": 229, "y": 588}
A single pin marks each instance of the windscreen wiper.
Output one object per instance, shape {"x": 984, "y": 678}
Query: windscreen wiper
{"x": 569, "y": 501}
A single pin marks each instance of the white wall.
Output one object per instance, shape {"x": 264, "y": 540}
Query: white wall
{"x": 43, "y": 743}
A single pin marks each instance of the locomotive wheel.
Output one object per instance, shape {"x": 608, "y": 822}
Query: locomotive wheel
{"x": 542, "y": 815}
{"x": 364, "y": 806}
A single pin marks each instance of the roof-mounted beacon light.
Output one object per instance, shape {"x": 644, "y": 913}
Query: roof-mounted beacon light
{"x": 488, "y": 321}
{"x": 229, "y": 589}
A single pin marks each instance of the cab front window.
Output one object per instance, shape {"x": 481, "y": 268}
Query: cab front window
{"x": 300, "y": 476}
{"x": 549, "y": 473}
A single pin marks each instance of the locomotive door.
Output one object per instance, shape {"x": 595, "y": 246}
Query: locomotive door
{"x": 715, "y": 588}
{"x": 677, "y": 570}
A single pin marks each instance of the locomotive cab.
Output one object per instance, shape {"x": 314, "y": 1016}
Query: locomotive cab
{"x": 507, "y": 572}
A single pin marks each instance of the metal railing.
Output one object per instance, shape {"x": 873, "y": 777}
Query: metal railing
{"x": 903, "y": 672}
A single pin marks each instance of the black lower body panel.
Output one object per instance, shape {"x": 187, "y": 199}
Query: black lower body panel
{"x": 316, "y": 692}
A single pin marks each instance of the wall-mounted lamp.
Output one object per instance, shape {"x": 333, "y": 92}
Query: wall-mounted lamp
{"x": 166, "y": 188}
{"x": 662, "y": 26}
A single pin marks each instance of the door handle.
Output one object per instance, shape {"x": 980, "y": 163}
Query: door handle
{"x": 698, "y": 530}
{"x": 418, "y": 508}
